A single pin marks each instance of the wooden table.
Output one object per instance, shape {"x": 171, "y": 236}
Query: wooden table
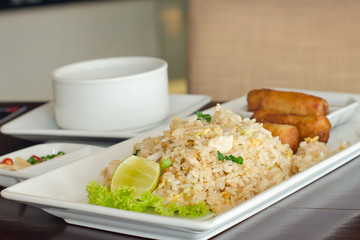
{"x": 327, "y": 209}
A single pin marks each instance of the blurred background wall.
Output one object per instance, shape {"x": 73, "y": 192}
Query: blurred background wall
{"x": 38, "y": 38}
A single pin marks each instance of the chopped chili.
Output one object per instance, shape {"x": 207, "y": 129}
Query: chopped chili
{"x": 7, "y": 161}
{"x": 38, "y": 158}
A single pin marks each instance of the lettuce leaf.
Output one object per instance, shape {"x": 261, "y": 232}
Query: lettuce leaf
{"x": 123, "y": 198}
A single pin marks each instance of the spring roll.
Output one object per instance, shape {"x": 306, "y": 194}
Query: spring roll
{"x": 308, "y": 126}
{"x": 286, "y": 102}
{"x": 287, "y": 134}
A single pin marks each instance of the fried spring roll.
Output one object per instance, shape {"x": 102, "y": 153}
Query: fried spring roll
{"x": 308, "y": 126}
{"x": 287, "y": 134}
{"x": 286, "y": 102}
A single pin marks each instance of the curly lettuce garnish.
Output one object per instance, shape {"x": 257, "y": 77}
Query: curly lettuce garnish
{"x": 124, "y": 198}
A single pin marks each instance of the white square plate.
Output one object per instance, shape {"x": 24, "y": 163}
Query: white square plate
{"x": 62, "y": 192}
{"x": 40, "y": 125}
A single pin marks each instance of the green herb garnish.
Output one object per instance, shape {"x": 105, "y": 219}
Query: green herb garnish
{"x": 232, "y": 158}
{"x": 201, "y": 116}
{"x": 136, "y": 152}
{"x": 220, "y": 156}
{"x": 165, "y": 163}
{"x": 35, "y": 159}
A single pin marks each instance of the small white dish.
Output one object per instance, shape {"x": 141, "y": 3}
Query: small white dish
{"x": 69, "y": 199}
{"x": 40, "y": 125}
{"x": 341, "y": 106}
{"x": 72, "y": 153}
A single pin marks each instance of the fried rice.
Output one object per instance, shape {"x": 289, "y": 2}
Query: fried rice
{"x": 197, "y": 174}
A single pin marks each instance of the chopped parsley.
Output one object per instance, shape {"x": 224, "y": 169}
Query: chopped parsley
{"x": 201, "y": 116}
{"x": 232, "y": 158}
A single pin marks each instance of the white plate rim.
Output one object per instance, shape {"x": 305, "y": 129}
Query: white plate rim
{"x": 44, "y": 132}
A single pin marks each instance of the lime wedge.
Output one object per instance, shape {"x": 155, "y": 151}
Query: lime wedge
{"x": 138, "y": 172}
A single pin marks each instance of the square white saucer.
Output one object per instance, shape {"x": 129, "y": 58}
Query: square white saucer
{"x": 40, "y": 125}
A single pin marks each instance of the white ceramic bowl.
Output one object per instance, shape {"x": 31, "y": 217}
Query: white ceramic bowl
{"x": 111, "y": 94}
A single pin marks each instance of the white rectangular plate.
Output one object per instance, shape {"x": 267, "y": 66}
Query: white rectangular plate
{"x": 68, "y": 200}
{"x": 72, "y": 153}
{"x": 40, "y": 125}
